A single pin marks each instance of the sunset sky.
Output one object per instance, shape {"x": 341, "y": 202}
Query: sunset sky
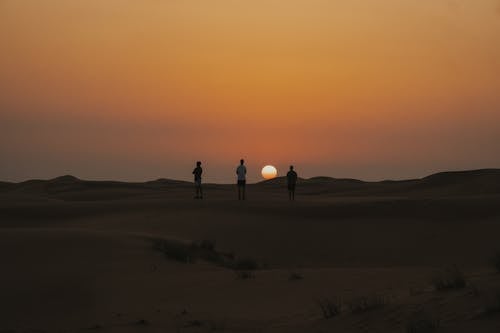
{"x": 138, "y": 90}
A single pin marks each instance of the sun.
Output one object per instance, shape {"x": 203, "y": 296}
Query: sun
{"x": 269, "y": 172}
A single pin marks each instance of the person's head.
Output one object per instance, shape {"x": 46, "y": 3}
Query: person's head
{"x": 291, "y": 167}
{"x": 198, "y": 163}
{"x": 242, "y": 161}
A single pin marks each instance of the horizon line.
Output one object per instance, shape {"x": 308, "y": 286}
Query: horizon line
{"x": 258, "y": 182}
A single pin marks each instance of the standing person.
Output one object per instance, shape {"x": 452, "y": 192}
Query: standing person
{"x": 291, "y": 179}
{"x": 241, "y": 171}
{"x": 197, "y": 180}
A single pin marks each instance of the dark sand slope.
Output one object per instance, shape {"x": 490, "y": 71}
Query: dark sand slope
{"x": 78, "y": 255}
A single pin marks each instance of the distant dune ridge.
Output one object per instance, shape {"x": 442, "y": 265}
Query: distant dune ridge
{"x": 473, "y": 182}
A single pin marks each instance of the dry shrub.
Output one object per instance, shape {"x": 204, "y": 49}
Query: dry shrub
{"x": 330, "y": 308}
{"x": 450, "y": 278}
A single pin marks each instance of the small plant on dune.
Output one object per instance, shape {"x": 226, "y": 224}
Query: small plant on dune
{"x": 228, "y": 255}
{"x": 142, "y": 322}
{"x": 245, "y": 264}
{"x": 422, "y": 322}
{"x": 174, "y": 250}
{"x": 451, "y": 278}
{"x": 203, "y": 250}
{"x": 206, "y": 244}
{"x": 295, "y": 276}
{"x": 365, "y": 304}
{"x": 329, "y": 308}
{"x": 188, "y": 253}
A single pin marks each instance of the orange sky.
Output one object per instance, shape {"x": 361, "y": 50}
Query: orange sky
{"x": 137, "y": 90}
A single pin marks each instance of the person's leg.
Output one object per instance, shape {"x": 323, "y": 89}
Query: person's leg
{"x": 198, "y": 189}
{"x": 244, "y": 188}
{"x": 239, "y": 192}
{"x": 201, "y": 192}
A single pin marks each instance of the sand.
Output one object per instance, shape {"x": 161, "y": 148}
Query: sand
{"x": 79, "y": 255}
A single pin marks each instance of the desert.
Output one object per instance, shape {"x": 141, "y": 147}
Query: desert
{"x": 346, "y": 256}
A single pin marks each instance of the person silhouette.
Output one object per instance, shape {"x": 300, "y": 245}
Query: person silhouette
{"x": 291, "y": 180}
{"x": 241, "y": 171}
{"x": 197, "y": 180}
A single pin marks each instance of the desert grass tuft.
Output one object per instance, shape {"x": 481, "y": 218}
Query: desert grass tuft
{"x": 206, "y": 244}
{"x": 245, "y": 264}
{"x": 175, "y": 250}
{"x": 329, "y": 308}
{"x": 142, "y": 322}
{"x": 451, "y": 278}
{"x": 295, "y": 276}
{"x": 203, "y": 250}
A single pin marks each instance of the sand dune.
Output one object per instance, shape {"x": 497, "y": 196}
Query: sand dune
{"x": 79, "y": 255}
{"x": 476, "y": 182}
